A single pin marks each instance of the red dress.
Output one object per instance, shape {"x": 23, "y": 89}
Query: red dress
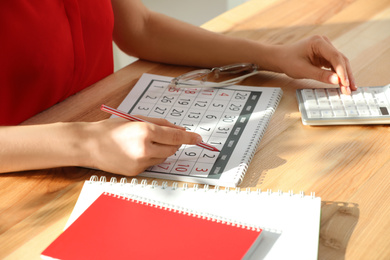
{"x": 49, "y": 50}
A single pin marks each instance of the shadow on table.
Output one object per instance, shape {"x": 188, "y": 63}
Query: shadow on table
{"x": 338, "y": 221}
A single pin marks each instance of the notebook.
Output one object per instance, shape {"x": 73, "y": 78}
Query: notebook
{"x": 232, "y": 119}
{"x": 290, "y": 221}
{"x": 117, "y": 227}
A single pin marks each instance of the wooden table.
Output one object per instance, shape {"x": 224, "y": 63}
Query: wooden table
{"x": 347, "y": 166}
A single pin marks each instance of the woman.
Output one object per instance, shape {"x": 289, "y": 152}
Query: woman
{"x": 53, "y": 49}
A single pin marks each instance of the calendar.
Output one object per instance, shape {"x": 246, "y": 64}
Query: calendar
{"x": 232, "y": 119}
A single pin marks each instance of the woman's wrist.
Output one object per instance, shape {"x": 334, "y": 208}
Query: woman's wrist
{"x": 269, "y": 58}
{"x": 81, "y": 143}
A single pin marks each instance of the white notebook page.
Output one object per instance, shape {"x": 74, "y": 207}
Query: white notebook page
{"x": 291, "y": 222}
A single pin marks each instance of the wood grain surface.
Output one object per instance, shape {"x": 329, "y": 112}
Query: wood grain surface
{"x": 347, "y": 166}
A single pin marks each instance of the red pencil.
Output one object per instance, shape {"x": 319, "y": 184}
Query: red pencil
{"x": 124, "y": 115}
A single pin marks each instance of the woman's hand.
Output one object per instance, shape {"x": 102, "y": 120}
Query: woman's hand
{"x": 128, "y": 148}
{"x": 316, "y": 58}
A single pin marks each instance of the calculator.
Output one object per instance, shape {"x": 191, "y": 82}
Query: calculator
{"x": 328, "y": 106}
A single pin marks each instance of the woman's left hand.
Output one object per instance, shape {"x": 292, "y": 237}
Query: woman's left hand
{"x": 316, "y": 58}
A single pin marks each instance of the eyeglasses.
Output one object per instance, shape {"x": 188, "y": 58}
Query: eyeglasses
{"x": 203, "y": 75}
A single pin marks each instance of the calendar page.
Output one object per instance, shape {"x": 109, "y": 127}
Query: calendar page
{"x": 232, "y": 119}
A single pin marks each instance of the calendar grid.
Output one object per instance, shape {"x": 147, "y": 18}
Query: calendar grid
{"x": 218, "y": 115}
{"x": 232, "y": 119}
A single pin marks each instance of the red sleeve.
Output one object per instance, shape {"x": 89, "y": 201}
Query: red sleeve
{"x": 49, "y": 50}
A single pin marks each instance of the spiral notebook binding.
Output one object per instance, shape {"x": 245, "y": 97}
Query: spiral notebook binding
{"x": 94, "y": 178}
{"x": 134, "y": 181}
{"x": 206, "y": 188}
{"x": 144, "y": 183}
{"x": 258, "y": 135}
{"x": 196, "y": 187}
{"x": 154, "y": 184}
{"x": 184, "y": 211}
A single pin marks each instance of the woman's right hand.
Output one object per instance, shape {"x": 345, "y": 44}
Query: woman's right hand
{"x": 128, "y": 148}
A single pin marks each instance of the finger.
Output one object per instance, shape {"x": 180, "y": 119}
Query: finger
{"x": 342, "y": 69}
{"x": 338, "y": 64}
{"x": 172, "y": 136}
{"x": 324, "y": 48}
{"x": 320, "y": 74}
{"x": 163, "y": 151}
{"x": 352, "y": 82}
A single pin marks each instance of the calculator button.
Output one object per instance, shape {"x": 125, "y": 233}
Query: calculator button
{"x": 362, "y": 107}
{"x": 313, "y": 114}
{"x": 324, "y": 105}
{"x": 326, "y": 113}
{"x": 367, "y": 94}
{"x": 337, "y": 105}
{"x": 352, "y": 112}
{"x": 311, "y": 105}
{"x": 387, "y": 92}
{"x": 382, "y": 102}
{"x": 339, "y": 113}
{"x": 360, "y": 103}
{"x": 375, "y": 112}
{"x": 321, "y": 95}
{"x": 333, "y": 94}
{"x": 348, "y": 102}
{"x": 364, "y": 112}
{"x": 308, "y": 94}
{"x": 384, "y": 111}
{"x": 309, "y": 99}
{"x": 336, "y": 102}
{"x": 350, "y": 107}
{"x": 371, "y": 101}
{"x": 357, "y": 96}
{"x": 345, "y": 97}
{"x": 380, "y": 98}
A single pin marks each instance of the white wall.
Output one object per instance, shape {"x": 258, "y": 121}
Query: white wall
{"x": 195, "y": 12}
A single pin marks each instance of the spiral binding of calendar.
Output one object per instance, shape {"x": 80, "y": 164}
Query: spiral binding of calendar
{"x": 184, "y": 211}
{"x": 257, "y": 136}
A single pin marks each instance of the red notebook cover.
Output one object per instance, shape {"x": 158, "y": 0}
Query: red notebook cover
{"x": 118, "y": 228}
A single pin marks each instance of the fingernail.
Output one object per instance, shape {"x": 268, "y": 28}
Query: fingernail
{"x": 346, "y": 90}
{"x": 347, "y": 83}
{"x": 199, "y": 139}
{"x": 353, "y": 85}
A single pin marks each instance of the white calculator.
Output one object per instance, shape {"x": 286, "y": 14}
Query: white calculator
{"x": 328, "y": 106}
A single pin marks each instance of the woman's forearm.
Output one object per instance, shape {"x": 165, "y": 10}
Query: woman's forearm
{"x": 41, "y": 146}
{"x": 156, "y": 37}
{"x": 113, "y": 145}
{"x": 180, "y": 43}
{"x": 160, "y": 38}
